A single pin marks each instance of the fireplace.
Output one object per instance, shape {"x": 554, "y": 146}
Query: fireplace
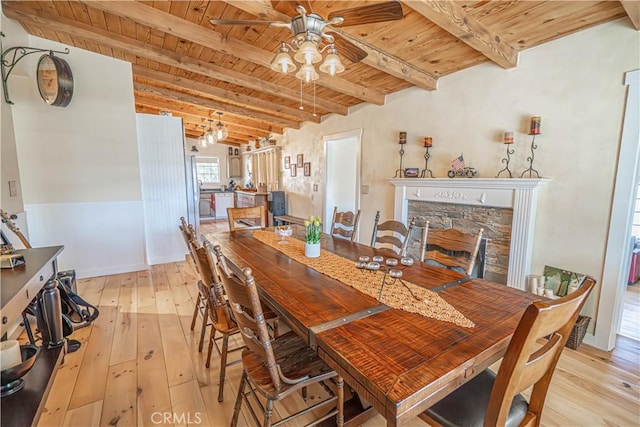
{"x": 504, "y": 207}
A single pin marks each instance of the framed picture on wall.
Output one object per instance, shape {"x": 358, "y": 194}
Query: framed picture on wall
{"x": 300, "y": 161}
{"x": 294, "y": 170}
{"x": 287, "y": 162}
{"x": 307, "y": 169}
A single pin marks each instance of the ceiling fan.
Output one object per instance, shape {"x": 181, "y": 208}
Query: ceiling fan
{"x": 314, "y": 28}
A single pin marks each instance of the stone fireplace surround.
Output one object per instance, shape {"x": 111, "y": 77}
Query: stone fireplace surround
{"x": 518, "y": 194}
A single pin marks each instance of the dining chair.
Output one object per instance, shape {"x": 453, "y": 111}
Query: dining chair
{"x": 460, "y": 249}
{"x": 494, "y": 399}
{"x": 216, "y": 315}
{"x": 391, "y": 233}
{"x": 200, "y": 306}
{"x": 275, "y": 368}
{"x": 253, "y": 217}
{"x": 345, "y": 224}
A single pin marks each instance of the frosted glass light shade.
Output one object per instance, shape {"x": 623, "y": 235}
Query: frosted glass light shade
{"x": 307, "y": 73}
{"x": 221, "y": 132}
{"x": 332, "y": 65}
{"x": 282, "y": 63}
{"x": 308, "y": 53}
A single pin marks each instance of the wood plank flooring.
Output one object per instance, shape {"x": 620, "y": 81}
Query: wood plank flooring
{"x": 139, "y": 365}
{"x": 630, "y": 325}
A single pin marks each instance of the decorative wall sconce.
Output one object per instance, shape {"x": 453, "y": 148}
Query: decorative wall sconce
{"x": 55, "y": 80}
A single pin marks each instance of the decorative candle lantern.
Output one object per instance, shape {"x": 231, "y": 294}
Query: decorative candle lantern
{"x": 403, "y": 138}
{"x": 508, "y": 137}
{"x": 535, "y": 125}
{"x": 428, "y": 141}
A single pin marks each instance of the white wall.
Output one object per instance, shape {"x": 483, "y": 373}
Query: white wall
{"x": 79, "y": 164}
{"x": 574, "y": 83}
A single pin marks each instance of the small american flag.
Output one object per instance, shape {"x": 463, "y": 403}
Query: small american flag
{"x": 457, "y": 163}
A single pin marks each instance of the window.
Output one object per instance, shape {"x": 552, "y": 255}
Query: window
{"x": 208, "y": 170}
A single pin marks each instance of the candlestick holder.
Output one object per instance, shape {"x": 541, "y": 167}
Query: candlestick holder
{"x": 427, "y": 156}
{"x": 402, "y": 140}
{"x": 531, "y": 170}
{"x": 506, "y": 160}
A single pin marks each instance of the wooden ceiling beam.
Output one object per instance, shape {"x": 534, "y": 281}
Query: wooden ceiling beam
{"x": 178, "y": 27}
{"x": 154, "y": 101}
{"x": 167, "y": 104}
{"x": 632, "y": 7}
{"x": 376, "y": 58}
{"x": 200, "y": 120}
{"x": 455, "y": 20}
{"x": 164, "y": 56}
{"x": 224, "y": 96}
{"x": 208, "y": 103}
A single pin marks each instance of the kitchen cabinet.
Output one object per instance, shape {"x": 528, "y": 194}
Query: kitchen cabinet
{"x": 223, "y": 201}
{"x": 234, "y": 166}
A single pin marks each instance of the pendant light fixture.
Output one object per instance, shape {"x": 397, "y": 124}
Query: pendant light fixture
{"x": 203, "y": 139}
{"x": 222, "y": 132}
{"x": 210, "y": 135}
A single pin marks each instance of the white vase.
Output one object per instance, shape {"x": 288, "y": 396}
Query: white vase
{"x": 312, "y": 250}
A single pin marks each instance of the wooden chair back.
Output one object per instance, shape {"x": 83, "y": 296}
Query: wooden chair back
{"x": 189, "y": 235}
{"x": 461, "y": 249}
{"x": 253, "y": 215}
{"x": 245, "y": 305}
{"x": 345, "y": 224}
{"x": 391, "y": 233}
{"x": 528, "y": 362}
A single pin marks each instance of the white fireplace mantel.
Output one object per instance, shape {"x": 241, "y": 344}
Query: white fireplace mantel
{"x": 519, "y": 194}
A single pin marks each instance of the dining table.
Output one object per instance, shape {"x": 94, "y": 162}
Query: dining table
{"x": 398, "y": 356}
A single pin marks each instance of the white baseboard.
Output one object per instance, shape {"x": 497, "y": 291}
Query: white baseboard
{"x": 166, "y": 259}
{"x": 85, "y": 274}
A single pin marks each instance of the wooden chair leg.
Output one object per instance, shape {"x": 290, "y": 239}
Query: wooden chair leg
{"x": 212, "y": 338}
{"x": 236, "y": 409}
{"x": 195, "y": 314}
{"x": 340, "y": 416}
{"x": 268, "y": 412}
{"x": 205, "y": 321}
{"x": 223, "y": 366}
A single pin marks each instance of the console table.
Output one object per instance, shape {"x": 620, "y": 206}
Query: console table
{"x": 19, "y": 287}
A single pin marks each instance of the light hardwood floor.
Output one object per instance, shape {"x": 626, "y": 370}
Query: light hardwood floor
{"x": 140, "y": 361}
{"x": 630, "y": 325}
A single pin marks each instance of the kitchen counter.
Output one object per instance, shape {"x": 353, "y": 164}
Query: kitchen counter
{"x": 252, "y": 193}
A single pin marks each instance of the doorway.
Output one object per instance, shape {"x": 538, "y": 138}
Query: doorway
{"x": 342, "y": 185}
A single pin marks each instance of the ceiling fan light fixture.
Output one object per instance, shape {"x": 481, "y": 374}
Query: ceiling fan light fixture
{"x": 332, "y": 64}
{"x": 308, "y": 53}
{"x": 307, "y": 73}
{"x": 282, "y": 62}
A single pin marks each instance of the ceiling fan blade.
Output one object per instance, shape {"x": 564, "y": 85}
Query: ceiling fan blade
{"x": 347, "y": 49}
{"x": 248, "y": 22}
{"x": 371, "y": 13}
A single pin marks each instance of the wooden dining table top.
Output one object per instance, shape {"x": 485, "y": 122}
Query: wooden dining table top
{"x": 399, "y": 362}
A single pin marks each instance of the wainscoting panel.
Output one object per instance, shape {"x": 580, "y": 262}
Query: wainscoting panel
{"x": 99, "y": 238}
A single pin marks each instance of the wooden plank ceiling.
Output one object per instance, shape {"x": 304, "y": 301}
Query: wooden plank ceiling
{"x": 185, "y": 65}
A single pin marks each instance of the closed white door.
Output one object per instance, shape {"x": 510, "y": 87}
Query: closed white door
{"x": 342, "y": 187}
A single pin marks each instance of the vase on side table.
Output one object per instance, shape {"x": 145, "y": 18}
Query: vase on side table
{"x": 312, "y": 250}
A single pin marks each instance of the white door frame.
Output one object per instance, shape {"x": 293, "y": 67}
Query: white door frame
{"x": 618, "y": 253}
{"x": 356, "y": 133}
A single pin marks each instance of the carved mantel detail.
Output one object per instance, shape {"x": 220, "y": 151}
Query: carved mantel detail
{"x": 518, "y": 194}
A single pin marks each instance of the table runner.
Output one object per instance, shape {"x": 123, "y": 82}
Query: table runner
{"x": 429, "y": 303}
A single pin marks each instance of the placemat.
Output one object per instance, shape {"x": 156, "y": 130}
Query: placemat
{"x": 428, "y": 303}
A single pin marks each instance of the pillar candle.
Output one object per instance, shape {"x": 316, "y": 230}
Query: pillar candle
{"x": 403, "y": 138}
{"x": 9, "y": 354}
{"x": 535, "y": 125}
{"x": 508, "y": 137}
{"x": 534, "y": 284}
{"x": 428, "y": 141}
